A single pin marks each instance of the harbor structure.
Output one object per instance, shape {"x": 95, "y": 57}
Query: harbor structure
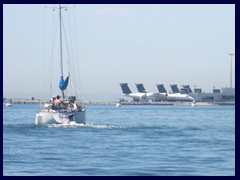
{"x": 217, "y": 95}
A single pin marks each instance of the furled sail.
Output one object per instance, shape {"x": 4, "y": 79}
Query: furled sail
{"x": 63, "y": 83}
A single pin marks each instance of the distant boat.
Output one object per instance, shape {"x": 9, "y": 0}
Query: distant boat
{"x": 8, "y": 105}
{"x": 194, "y": 103}
{"x": 118, "y": 104}
{"x": 71, "y": 111}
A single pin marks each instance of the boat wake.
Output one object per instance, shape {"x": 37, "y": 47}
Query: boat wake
{"x": 87, "y": 125}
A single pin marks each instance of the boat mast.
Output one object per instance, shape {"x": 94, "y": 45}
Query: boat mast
{"x": 61, "y": 61}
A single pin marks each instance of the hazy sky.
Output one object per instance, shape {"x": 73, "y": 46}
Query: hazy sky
{"x": 150, "y": 44}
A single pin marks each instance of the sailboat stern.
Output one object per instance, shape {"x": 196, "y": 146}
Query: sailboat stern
{"x": 44, "y": 117}
{"x": 38, "y": 119}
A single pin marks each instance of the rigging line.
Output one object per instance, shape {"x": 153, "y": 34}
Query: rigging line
{"x": 54, "y": 35}
{"x": 70, "y": 56}
{"x": 70, "y": 37}
{"x": 76, "y": 48}
{"x": 71, "y": 48}
{"x": 72, "y": 62}
{"x": 78, "y": 93}
{"x": 66, "y": 41}
{"x": 67, "y": 48}
{"x": 51, "y": 58}
{"x": 44, "y": 47}
{"x": 69, "y": 29}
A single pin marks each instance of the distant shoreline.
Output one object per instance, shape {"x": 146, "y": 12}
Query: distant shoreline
{"x": 28, "y": 101}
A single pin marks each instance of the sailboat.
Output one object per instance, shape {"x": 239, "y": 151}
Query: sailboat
{"x": 71, "y": 111}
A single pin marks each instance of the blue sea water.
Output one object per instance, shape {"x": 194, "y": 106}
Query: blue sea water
{"x": 150, "y": 140}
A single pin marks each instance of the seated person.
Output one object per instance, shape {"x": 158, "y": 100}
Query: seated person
{"x": 70, "y": 106}
{"x": 58, "y": 103}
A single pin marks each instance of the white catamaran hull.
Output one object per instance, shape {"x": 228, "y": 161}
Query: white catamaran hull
{"x": 55, "y": 117}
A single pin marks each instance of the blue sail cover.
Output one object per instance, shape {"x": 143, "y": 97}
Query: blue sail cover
{"x": 63, "y": 84}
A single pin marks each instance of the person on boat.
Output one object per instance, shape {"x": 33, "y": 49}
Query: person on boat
{"x": 52, "y": 99}
{"x": 58, "y": 103}
{"x": 50, "y": 105}
{"x": 70, "y": 106}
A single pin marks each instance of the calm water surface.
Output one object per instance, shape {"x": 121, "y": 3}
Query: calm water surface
{"x": 127, "y": 140}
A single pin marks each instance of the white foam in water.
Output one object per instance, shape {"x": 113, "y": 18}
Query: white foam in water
{"x": 103, "y": 126}
{"x": 91, "y": 125}
{"x": 71, "y": 124}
